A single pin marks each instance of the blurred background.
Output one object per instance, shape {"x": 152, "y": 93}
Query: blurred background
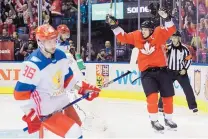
{"x": 95, "y": 41}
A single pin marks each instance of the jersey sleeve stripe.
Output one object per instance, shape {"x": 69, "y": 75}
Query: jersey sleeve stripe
{"x": 23, "y": 95}
{"x": 68, "y": 75}
{"x": 37, "y": 99}
{"x": 67, "y": 81}
{"x": 24, "y": 87}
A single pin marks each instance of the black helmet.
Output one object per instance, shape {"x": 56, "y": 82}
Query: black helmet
{"x": 177, "y": 33}
{"x": 147, "y": 24}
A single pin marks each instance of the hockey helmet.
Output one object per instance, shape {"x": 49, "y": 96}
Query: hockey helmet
{"x": 177, "y": 33}
{"x": 147, "y": 24}
{"x": 63, "y": 29}
{"x": 45, "y": 32}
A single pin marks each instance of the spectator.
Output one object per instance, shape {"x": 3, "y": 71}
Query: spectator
{"x": 72, "y": 50}
{"x": 108, "y": 51}
{"x": 1, "y": 26}
{"x": 5, "y": 35}
{"x": 121, "y": 52}
{"x": 17, "y": 47}
{"x": 56, "y": 9}
{"x": 101, "y": 56}
{"x": 46, "y": 19}
{"x": 27, "y": 49}
{"x": 93, "y": 53}
{"x": 196, "y": 41}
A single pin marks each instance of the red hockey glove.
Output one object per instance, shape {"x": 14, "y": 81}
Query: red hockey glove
{"x": 94, "y": 91}
{"x": 33, "y": 122}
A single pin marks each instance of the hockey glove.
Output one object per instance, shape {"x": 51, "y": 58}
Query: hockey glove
{"x": 164, "y": 14}
{"x": 89, "y": 88}
{"x": 154, "y": 9}
{"x": 33, "y": 122}
{"x": 111, "y": 21}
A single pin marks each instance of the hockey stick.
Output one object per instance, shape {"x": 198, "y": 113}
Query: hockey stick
{"x": 111, "y": 6}
{"x": 136, "y": 79}
{"x": 86, "y": 95}
{"x": 139, "y": 78}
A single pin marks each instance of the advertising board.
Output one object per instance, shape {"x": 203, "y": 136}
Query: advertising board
{"x": 6, "y": 50}
{"x": 99, "y": 11}
{"x": 99, "y": 73}
{"x": 131, "y": 9}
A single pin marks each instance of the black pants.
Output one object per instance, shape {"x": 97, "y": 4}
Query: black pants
{"x": 155, "y": 80}
{"x": 183, "y": 80}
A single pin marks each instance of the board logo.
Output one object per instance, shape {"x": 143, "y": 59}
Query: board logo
{"x": 102, "y": 75}
{"x": 197, "y": 82}
{"x": 206, "y": 87}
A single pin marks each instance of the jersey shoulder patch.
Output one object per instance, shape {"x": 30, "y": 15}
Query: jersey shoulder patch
{"x": 59, "y": 54}
{"x": 38, "y": 59}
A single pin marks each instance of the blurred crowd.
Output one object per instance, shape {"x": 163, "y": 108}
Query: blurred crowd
{"x": 19, "y": 18}
{"x": 194, "y": 33}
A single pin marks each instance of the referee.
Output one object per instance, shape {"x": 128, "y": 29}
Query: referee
{"x": 179, "y": 60}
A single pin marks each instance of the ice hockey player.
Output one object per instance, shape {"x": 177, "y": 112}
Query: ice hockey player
{"x": 63, "y": 44}
{"x": 152, "y": 64}
{"x": 179, "y": 60}
{"x": 45, "y": 77}
{"x": 63, "y": 36}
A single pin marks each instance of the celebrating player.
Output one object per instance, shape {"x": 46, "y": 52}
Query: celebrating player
{"x": 41, "y": 90}
{"x": 152, "y": 63}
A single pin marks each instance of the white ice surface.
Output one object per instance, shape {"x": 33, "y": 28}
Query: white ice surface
{"x": 110, "y": 119}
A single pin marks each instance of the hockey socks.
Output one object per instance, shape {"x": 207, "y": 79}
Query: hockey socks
{"x": 152, "y": 107}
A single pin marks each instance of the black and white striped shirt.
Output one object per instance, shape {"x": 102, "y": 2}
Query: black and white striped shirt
{"x": 178, "y": 57}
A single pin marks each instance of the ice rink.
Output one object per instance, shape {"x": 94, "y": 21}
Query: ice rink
{"x": 108, "y": 118}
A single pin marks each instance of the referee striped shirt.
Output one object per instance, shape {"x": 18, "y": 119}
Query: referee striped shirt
{"x": 178, "y": 57}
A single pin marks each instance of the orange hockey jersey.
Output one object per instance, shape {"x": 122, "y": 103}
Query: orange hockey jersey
{"x": 151, "y": 50}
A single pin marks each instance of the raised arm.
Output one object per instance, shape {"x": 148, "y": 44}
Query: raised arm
{"x": 120, "y": 34}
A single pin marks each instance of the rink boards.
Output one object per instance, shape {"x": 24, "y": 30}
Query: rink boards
{"x": 123, "y": 88}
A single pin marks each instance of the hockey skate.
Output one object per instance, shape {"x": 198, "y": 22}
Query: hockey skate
{"x": 195, "y": 111}
{"x": 160, "y": 110}
{"x": 170, "y": 125}
{"x": 157, "y": 127}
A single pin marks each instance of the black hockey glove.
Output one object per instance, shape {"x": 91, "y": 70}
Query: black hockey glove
{"x": 111, "y": 21}
{"x": 154, "y": 9}
{"x": 164, "y": 14}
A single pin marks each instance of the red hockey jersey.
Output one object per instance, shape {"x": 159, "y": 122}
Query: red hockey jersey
{"x": 151, "y": 50}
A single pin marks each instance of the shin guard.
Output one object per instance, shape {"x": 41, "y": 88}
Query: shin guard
{"x": 168, "y": 105}
{"x": 152, "y": 101}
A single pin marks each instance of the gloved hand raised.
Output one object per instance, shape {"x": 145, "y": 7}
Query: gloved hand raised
{"x": 111, "y": 21}
{"x": 164, "y": 14}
